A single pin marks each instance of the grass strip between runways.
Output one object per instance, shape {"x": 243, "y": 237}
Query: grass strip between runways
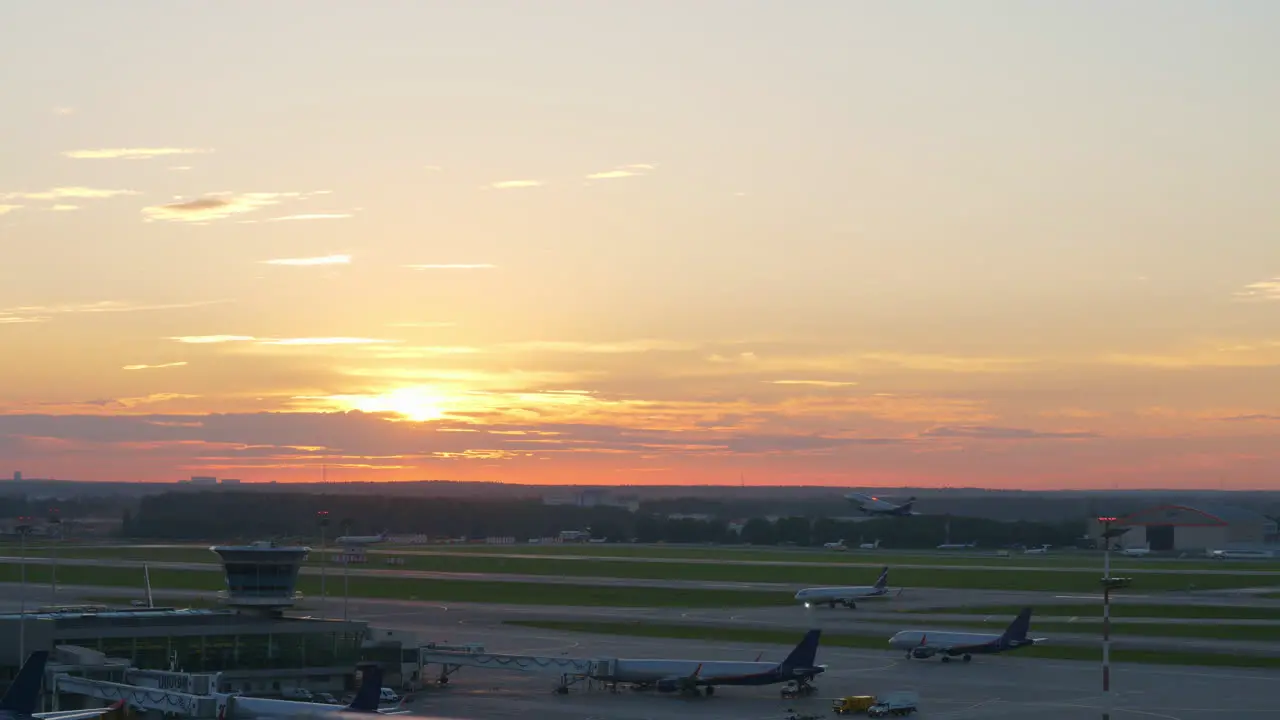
{"x": 1119, "y": 611}
{"x": 879, "y": 642}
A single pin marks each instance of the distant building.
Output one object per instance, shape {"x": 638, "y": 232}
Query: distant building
{"x": 1166, "y": 528}
{"x": 17, "y": 476}
{"x": 229, "y": 481}
{"x": 203, "y": 480}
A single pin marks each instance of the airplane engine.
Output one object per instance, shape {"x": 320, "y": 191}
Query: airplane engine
{"x": 921, "y": 653}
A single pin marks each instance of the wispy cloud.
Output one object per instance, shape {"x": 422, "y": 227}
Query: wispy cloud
{"x": 132, "y": 153}
{"x": 310, "y": 216}
{"x": 623, "y": 346}
{"x": 41, "y": 313}
{"x": 512, "y": 184}
{"x": 1263, "y": 290}
{"x": 68, "y": 193}
{"x": 623, "y": 171}
{"x": 327, "y": 341}
{"x": 64, "y": 111}
{"x": 5, "y": 209}
{"x": 985, "y": 432}
{"x": 815, "y": 383}
{"x": 322, "y": 260}
{"x": 217, "y": 206}
{"x": 154, "y": 367}
{"x": 439, "y": 324}
{"x": 456, "y": 266}
{"x": 209, "y": 339}
{"x": 217, "y": 339}
{"x": 64, "y": 208}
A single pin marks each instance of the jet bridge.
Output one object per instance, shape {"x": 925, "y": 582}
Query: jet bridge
{"x": 569, "y": 669}
{"x": 168, "y": 701}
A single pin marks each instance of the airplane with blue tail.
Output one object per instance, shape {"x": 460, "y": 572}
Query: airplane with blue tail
{"x": 922, "y": 644}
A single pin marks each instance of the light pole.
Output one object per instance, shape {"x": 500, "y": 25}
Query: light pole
{"x": 24, "y": 527}
{"x": 1108, "y": 534}
{"x": 323, "y": 517}
{"x": 346, "y": 562}
{"x": 55, "y": 521}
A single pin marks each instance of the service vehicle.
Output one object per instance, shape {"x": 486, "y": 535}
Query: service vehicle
{"x": 852, "y": 704}
{"x": 902, "y": 702}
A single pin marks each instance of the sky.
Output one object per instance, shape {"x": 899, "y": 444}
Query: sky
{"x": 1014, "y": 245}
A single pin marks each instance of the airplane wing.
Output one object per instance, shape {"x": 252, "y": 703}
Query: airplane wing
{"x": 78, "y": 714}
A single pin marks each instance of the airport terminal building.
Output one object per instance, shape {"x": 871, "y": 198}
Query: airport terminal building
{"x": 252, "y": 645}
{"x": 1182, "y": 528}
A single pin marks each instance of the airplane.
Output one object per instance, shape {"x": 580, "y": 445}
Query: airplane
{"x": 362, "y": 539}
{"x": 687, "y": 676}
{"x": 23, "y": 696}
{"x": 231, "y": 706}
{"x": 875, "y": 506}
{"x": 870, "y": 546}
{"x": 837, "y": 545}
{"x": 1136, "y": 551}
{"x": 846, "y": 596}
{"x": 958, "y": 546}
{"x": 1042, "y": 550}
{"x": 921, "y": 644}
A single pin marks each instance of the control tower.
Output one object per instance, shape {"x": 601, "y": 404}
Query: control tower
{"x": 261, "y": 576}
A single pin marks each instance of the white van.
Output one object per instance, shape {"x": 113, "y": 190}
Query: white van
{"x": 388, "y": 696}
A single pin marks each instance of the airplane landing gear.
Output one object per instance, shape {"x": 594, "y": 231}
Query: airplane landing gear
{"x": 967, "y": 657}
{"x": 946, "y": 658}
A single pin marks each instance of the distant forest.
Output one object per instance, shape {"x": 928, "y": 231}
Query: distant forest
{"x": 225, "y": 516}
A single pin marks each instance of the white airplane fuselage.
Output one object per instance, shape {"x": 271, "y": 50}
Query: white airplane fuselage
{"x": 838, "y": 595}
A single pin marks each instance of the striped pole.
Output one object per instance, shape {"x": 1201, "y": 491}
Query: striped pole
{"x": 1106, "y": 623}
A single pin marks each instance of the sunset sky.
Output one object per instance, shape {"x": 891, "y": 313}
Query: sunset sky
{"x": 642, "y": 241}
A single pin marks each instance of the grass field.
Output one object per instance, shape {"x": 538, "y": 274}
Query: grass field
{"x": 513, "y": 593}
{"x": 1055, "y": 580}
{"x": 878, "y": 642}
{"x": 1067, "y": 559}
{"x": 1118, "y": 610}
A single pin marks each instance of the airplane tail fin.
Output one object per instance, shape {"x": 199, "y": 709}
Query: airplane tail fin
{"x": 366, "y": 699}
{"x": 23, "y": 696}
{"x": 1017, "y": 630}
{"x": 883, "y": 580}
{"x": 806, "y": 652}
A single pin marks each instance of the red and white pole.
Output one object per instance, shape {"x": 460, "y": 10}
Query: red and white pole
{"x": 1106, "y": 623}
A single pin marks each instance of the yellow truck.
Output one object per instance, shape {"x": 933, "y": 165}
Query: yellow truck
{"x": 852, "y": 704}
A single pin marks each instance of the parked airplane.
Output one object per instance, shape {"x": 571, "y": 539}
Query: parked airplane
{"x": 958, "y": 546}
{"x": 365, "y": 703}
{"x": 1136, "y": 551}
{"x": 837, "y": 545}
{"x": 921, "y": 644}
{"x": 23, "y": 697}
{"x": 846, "y": 596}
{"x": 875, "y": 506}
{"x": 686, "y": 676}
{"x": 362, "y": 539}
{"x": 1042, "y": 550}
{"x": 870, "y": 546}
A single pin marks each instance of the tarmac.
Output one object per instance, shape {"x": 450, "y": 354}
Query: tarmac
{"x": 989, "y": 687}
{"x": 1002, "y": 686}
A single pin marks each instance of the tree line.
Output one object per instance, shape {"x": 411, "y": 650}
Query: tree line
{"x": 226, "y": 516}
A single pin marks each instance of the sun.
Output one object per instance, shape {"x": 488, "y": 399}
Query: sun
{"x": 416, "y": 404}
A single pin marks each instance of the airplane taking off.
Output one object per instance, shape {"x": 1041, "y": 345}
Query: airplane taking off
{"x": 875, "y": 506}
{"x": 686, "y": 676}
{"x": 921, "y": 644}
{"x": 362, "y": 539}
{"x": 23, "y": 697}
{"x": 846, "y": 596}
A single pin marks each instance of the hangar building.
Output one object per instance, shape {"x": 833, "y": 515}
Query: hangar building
{"x": 1166, "y": 528}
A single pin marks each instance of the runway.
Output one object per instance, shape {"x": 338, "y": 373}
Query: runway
{"x": 880, "y": 558}
{"x": 784, "y": 617}
{"x": 918, "y": 597}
